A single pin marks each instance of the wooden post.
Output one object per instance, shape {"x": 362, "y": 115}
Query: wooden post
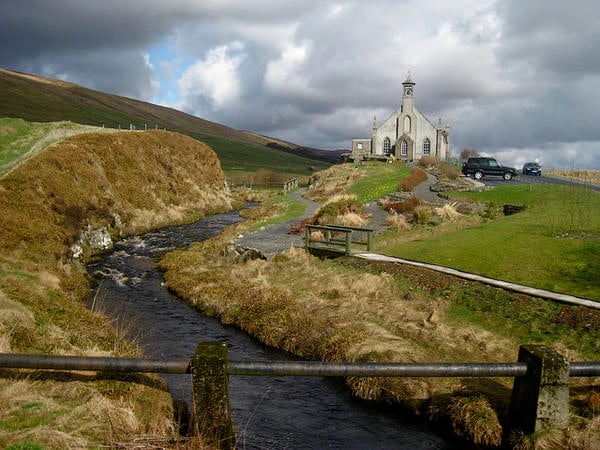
{"x": 210, "y": 395}
{"x": 369, "y": 240}
{"x": 540, "y": 400}
{"x": 307, "y": 237}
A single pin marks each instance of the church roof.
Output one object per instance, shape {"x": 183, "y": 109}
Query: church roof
{"x": 408, "y": 79}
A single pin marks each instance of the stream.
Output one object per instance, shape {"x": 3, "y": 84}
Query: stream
{"x": 268, "y": 412}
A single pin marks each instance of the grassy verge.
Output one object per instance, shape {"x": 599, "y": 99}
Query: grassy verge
{"x": 20, "y": 140}
{"x": 379, "y": 179}
{"x": 367, "y": 181}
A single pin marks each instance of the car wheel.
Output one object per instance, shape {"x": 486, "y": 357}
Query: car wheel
{"x": 508, "y": 176}
{"x": 478, "y": 175}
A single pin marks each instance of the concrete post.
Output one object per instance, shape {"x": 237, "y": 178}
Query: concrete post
{"x": 210, "y": 395}
{"x": 540, "y": 400}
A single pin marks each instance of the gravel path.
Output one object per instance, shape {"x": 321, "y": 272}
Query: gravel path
{"x": 275, "y": 238}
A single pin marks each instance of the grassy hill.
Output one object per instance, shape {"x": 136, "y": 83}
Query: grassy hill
{"x": 38, "y": 99}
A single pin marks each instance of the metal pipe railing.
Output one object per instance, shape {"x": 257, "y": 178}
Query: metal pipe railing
{"x": 285, "y": 368}
{"x": 61, "y": 362}
{"x": 361, "y": 369}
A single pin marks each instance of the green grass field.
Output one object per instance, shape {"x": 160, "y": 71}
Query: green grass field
{"x": 554, "y": 244}
{"x": 239, "y": 159}
{"x": 381, "y": 179}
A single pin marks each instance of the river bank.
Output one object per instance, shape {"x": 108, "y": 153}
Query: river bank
{"x": 346, "y": 310}
{"x": 324, "y": 310}
{"x": 123, "y": 183}
{"x": 268, "y": 412}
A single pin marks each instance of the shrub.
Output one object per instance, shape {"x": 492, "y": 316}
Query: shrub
{"x": 415, "y": 177}
{"x": 427, "y": 162}
{"x": 404, "y": 206}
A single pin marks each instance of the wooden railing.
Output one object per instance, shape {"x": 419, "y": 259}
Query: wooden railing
{"x": 337, "y": 240}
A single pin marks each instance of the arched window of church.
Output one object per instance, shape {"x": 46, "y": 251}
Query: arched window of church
{"x": 406, "y": 124}
{"x": 386, "y": 146}
{"x": 404, "y": 148}
{"x": 426, "y": 147}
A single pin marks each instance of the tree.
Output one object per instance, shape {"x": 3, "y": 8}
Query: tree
{"x": 468, "y": 153}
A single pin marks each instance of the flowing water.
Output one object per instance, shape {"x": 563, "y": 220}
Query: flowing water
{"x": 268, "y": 412}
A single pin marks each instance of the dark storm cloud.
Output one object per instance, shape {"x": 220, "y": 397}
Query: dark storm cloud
{"x": 511, "y": 78}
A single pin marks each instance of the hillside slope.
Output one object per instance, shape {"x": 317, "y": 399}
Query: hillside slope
{"x": 38, "y": 99}
{"x": 124, "y": 182}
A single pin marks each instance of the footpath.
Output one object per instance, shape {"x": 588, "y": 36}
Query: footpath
{"x": 274, "y": 239}
{"x": 268, "y": 241}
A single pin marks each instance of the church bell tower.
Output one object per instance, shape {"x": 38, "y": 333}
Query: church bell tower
{"x": 408, "y": 94}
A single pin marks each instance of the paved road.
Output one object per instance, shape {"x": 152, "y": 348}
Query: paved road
{"x": 533, "y": 179}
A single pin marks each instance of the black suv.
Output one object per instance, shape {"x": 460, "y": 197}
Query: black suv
{"x": 480, "y": 166}
{"x": 532, "y": 168}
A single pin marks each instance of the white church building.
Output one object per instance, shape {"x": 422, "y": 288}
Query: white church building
{"x": 406, "y": 134}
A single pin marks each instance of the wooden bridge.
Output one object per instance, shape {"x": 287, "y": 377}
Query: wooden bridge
{"x": 336, "y": 240}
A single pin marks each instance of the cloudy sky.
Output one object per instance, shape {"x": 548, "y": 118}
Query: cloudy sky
{"x": 517, "y": 79}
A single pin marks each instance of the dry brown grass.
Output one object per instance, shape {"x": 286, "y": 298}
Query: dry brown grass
{"x": 323, "y": 311}
{"x": 330, "y": 182}
{"x": 583, "y": 176}
{"x": 147, "y": 180}
{"x": 399, "y": 222}
{"x": 409, "y": 182}
{"x": 447, "y": 212}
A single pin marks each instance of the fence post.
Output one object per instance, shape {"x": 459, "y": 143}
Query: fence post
{"x": 348, "y": 242}
{"x": 210, "y": 395}
{"x": 540, "y": 399}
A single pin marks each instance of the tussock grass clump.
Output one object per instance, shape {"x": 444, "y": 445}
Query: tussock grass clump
{"x": 399, "y": 222}
{"x": 471, "y": 418}
{"x": 447, "y": 212}
{"x": 341, "y": 210}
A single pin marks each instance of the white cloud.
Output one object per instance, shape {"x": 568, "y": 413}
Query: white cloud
{"x": 286, "y": 75}
{"x": 215, "y": 78}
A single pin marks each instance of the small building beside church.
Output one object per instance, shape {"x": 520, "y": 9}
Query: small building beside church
{"x": 406, "y": 135}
